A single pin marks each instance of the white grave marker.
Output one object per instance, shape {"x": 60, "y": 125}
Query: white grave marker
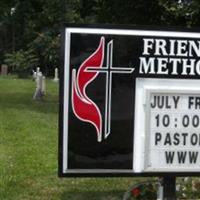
{"x": 43, "y": 85}
{"x": 38, "y": 92}
{"x": 37, "y": 71}
{"x": 56, "y": 79}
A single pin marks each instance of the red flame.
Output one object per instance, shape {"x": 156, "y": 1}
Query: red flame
{"x": 84, "y": 108}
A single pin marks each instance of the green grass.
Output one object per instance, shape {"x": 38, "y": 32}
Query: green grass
{"x": 28, "y": 150}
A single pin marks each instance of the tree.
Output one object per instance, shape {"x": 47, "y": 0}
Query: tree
{"x": 177, "y": 12}
{"x": 36, "y": 24}
{"x": 21, "y": 61}
{"x": 130, "y": 12}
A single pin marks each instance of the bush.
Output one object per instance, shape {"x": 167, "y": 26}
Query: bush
{"x": 21, "y": 61}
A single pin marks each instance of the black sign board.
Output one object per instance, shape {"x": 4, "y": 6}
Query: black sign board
{"x": 129, "y": 102}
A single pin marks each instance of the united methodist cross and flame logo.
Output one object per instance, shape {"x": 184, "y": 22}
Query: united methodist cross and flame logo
{"x": 83, "y": 107}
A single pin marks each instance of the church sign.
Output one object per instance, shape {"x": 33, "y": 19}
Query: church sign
{"x": 129, "y": 102}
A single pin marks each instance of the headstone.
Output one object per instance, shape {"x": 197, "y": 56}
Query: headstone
{"x": 38, "y": 92}
{"x": 37, "y": 71}
{"x": 4, "y": 69}
{"x": 43, "y": 85}
{"x": 56, "y": 79}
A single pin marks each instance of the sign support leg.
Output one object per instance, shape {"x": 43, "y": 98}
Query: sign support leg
{"x": 169, "y": 184}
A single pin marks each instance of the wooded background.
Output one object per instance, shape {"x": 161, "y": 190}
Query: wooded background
{"x": 30, "y": 30}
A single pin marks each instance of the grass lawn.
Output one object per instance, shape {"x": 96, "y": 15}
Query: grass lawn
{"x": 28, "y": 150}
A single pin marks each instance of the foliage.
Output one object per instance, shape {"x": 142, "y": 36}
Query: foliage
{"x": 131, "y": 12}
{"x": 47, "y": 46}
{"x": 188, "y": 188}
{"x": 21, "y": 60}
{"x": 141, "y": 191}
{"x": 37, "y": 24}
{"x": 177, "y": 12}
{"x": 185, "y": 13}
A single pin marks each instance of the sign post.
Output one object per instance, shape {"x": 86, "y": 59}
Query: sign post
{"x": 130, "y": 103}
{"x": 169, "y": 184}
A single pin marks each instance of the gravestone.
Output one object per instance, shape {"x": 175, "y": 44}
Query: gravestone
{"x": 56, "y": 79}
{"x": 37, "y": 71}
{"x": 38, "y": 91}
{"x": 43, "y": 85}
{"x": 4, "y": 69}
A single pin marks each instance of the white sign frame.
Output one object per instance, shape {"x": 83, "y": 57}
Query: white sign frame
{"x": 143, "y": 89}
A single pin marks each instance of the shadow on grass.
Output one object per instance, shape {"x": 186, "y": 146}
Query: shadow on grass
{"x": 93, "y": 195}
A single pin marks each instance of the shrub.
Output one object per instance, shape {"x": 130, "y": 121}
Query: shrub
{"x": 21, "y": 61}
